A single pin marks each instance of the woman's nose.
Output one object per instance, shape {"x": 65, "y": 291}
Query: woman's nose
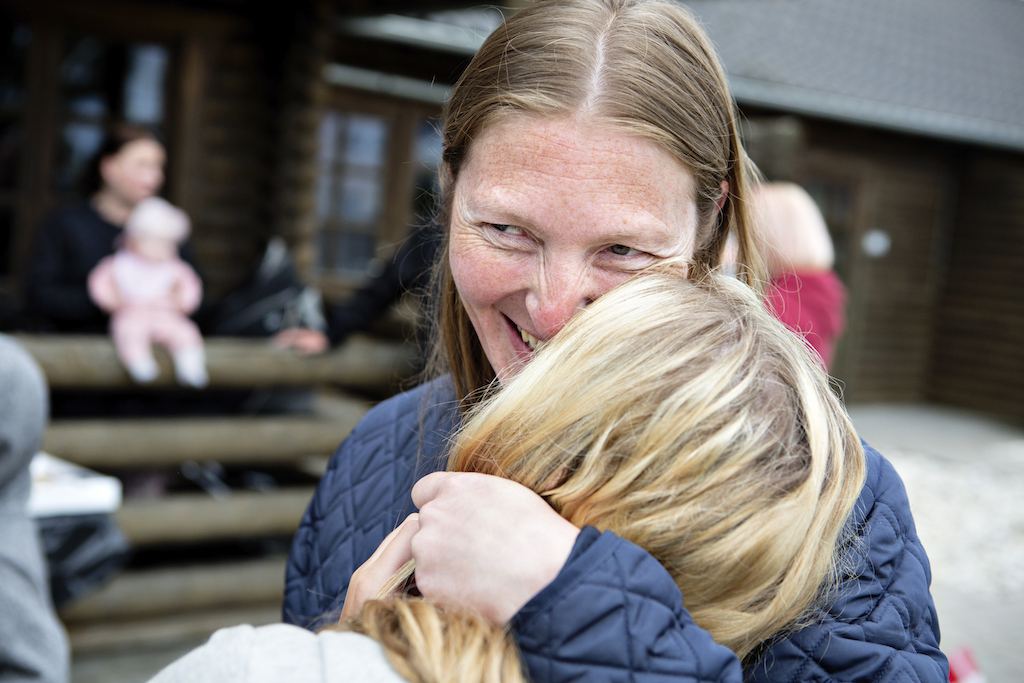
{"x": 555, "y": 300}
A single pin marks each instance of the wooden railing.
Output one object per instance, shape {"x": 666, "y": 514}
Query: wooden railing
{"x": 160, "y": 605}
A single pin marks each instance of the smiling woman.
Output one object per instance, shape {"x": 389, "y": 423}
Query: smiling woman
{"x": 587, "y": 141}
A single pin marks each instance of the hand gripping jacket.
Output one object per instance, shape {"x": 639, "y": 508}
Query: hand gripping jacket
{"x": 613, "y": 613}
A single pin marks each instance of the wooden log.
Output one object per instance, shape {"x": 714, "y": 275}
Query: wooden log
{"x": 192, "y": 517}
{"x": 78, "y": 361}
{"x": 172, "y": 441}
{"x": 173, "y": 590}
{"x": 161, "y": 632}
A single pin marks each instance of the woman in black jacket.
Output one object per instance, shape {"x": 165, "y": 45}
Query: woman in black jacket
{"x": 128, "y": 168}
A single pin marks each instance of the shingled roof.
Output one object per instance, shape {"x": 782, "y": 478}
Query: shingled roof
{"x": 946, "y": 68}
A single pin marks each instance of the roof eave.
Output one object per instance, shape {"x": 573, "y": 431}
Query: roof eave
{"x": 884, "y": 115}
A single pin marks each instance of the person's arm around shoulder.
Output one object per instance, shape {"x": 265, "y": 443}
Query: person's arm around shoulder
{"x": 364, "y": 495}
{"x": 615, "y": 612}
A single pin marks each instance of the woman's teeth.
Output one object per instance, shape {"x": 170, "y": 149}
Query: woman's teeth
{"x": 528, "y": 338}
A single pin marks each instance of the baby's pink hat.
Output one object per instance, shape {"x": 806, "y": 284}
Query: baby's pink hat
{"x": 156, "y": 217}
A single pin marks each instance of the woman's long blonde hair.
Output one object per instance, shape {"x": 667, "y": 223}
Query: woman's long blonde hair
{"x": 682, "y": 416}
{"x": 640, "y": 67}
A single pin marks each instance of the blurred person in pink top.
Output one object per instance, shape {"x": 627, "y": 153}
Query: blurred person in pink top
{"x": 804, "y": 293}
{"x": 149, "y": 292}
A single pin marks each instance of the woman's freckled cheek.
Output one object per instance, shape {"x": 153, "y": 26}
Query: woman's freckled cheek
{"x": 482, "y": 273}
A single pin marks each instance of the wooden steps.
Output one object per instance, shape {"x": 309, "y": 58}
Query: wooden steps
{"x": 168, "y": 603}
{"x": 199, "y": 517}
{"x": 164, "y": 631}
{"x": 167, "y": 441}
{"x": 144, "y": 593}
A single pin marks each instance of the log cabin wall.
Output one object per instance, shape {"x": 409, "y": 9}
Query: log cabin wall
{"x": 883, "y": 187}
{"x": 302, "y": 102}
{"x": 979, "y": 341}
{"x": 224, "y": 173}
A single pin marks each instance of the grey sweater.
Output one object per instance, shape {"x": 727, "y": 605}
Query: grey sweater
{"x": 33, "y": 646}
{"x": 281, "y": 653}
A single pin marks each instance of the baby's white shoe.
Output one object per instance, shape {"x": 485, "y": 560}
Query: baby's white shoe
{"x": 143, "y": 370}
{"x": 190, "y": 367}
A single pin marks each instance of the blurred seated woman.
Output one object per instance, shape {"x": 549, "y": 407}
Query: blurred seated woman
{"x": 677, "y": 415}
{"x": 128, "y": 168}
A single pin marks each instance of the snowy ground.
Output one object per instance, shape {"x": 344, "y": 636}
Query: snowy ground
{"x": 971, "y": 520}
{"x": 965, "y": 479}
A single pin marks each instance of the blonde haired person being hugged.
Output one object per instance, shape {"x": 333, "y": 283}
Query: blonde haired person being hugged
{"x": 587, "y": 141}
{"x": 390, "y": 641}
{"x": 680, "y": 416}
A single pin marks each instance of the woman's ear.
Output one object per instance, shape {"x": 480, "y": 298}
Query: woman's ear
{"x": 725, "y": 194}
{"x": 446, "y": 178}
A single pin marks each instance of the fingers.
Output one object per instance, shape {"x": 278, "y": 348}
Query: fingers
{"x": 396, "y": 549}
{"x": 375, "y": 574}
{"x": 305, "y": 341}
{"x": 428, "y": 488}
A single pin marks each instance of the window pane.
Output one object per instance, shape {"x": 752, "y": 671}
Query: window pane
{"x": 352, "y": 253}
{"x": 86, "y": 67}
{"x": 80, "y": 142}
{"x": 352, "y": 163}
{"x": 102, "y": 82}
{"x": 144, "y": 85}
{"x": 360, "y": 199}
{"x": 327, "y": 143}
{"x": 427, "y": 149}
{"x": 366, "y": 141}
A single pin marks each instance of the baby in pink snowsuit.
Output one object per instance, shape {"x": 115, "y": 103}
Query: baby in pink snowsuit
{"x": 150, "y": 292}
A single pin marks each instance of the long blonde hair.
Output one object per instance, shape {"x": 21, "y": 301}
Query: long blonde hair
{"x": 683, "y": 417}
{"x": 641, "y": 67}
{"x": 428, "y": 644}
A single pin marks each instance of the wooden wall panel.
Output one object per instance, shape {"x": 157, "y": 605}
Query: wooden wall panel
{"x": 231, "y": 165}
{"x": 979, "y": 348}
{"x": 302, "y": 108}
{"x": 902, "y": 190}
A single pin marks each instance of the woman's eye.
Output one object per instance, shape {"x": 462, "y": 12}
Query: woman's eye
{"x": 623, "y": 250}
{"x": 508, "y": 229}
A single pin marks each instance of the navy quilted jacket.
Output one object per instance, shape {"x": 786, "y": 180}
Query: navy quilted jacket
{"x": 613, "y": 613}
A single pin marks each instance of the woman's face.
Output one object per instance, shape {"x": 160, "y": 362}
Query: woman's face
{"x": 549, "y": 214}
{"x": 136, "y": 172}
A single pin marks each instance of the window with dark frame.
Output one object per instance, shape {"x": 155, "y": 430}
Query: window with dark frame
{"x": 376, "y": 181}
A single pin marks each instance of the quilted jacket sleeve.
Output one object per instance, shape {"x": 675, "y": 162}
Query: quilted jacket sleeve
{"x": 364, "y": 494}
{"x": 615, "y": 614}
{"x": 882, "y": 627}
{"x": 615, "y": 611}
